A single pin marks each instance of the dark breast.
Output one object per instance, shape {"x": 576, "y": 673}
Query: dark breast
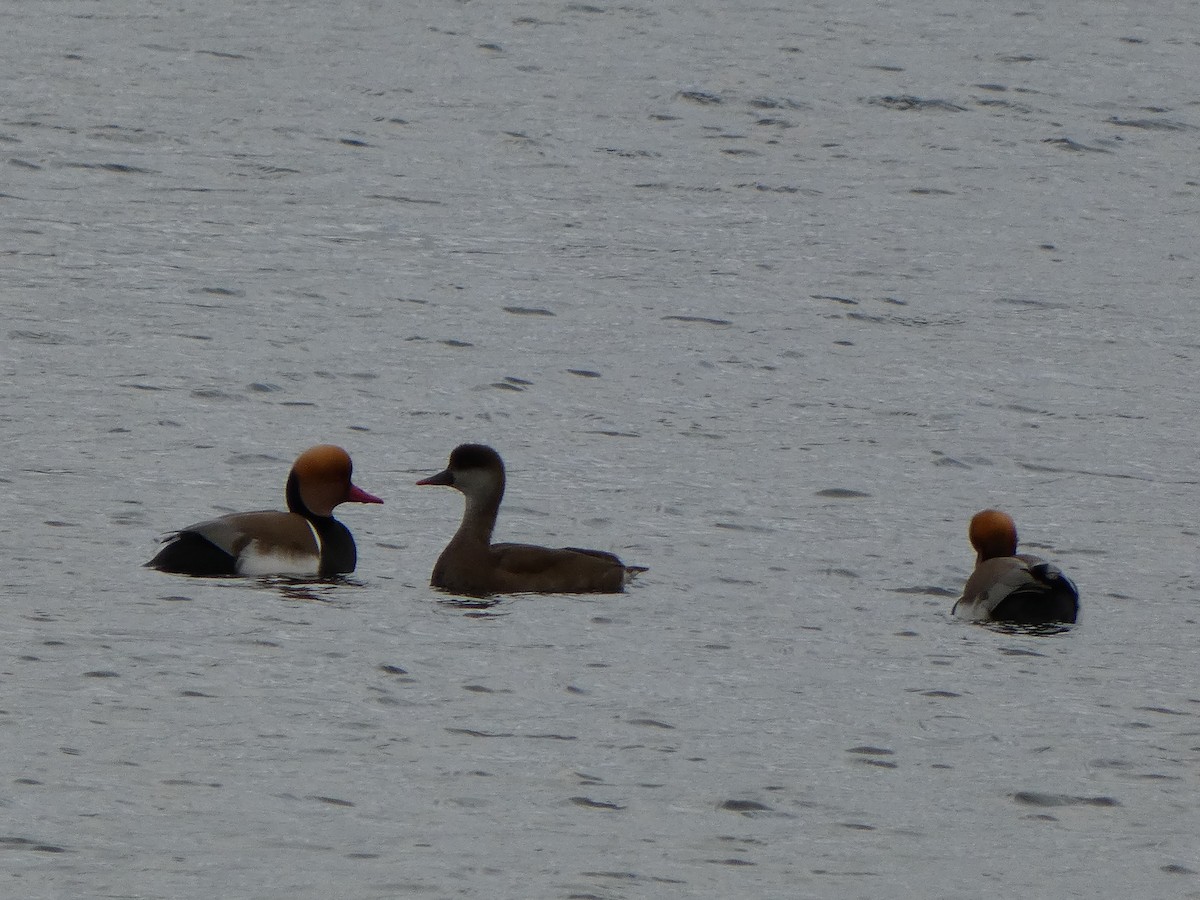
{"x": 339, "y": 555}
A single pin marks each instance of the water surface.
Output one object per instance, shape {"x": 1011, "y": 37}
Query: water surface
{"x": 769, "y": 299}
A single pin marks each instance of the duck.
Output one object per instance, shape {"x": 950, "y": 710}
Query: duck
{"x": 472, "y": 565}
{"x": 306, "y": 541}
{"x": 1008, "y": 586}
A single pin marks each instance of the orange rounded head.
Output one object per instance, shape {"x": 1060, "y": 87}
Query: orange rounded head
{"x": 322, "y": 476}
{"x": 993, "y": 533}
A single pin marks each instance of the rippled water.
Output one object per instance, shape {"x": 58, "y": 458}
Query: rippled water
{"x": 767, "y": 298}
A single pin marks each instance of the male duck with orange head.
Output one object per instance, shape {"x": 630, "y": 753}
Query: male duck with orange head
{"x": 305, "y": 541}
{"x": 1007, "y": 586}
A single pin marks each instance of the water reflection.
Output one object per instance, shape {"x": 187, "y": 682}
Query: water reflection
{"x": 1037, "y": 630}
{"x": 474, "y": 607}
{"x": 307, "y": 590}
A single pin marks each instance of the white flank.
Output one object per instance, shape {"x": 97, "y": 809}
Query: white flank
{"x": 257, "y": 560}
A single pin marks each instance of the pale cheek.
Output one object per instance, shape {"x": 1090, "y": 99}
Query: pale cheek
{"x": 473, "y": 482}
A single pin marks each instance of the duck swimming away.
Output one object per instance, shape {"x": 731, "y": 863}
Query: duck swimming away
{"x": 471, "y": 564}
{"x": 1007, "y": 586}
{"x": 305, "y": 541}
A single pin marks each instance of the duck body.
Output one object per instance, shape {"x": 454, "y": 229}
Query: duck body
{"x": 1007, "y": 586}
{"x": 478, "y": 570}
{"x": 471, "y": 564}
{"x": 306, "y": 541}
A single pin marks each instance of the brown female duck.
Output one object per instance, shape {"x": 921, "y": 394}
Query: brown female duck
{"x": 471, "y": 564}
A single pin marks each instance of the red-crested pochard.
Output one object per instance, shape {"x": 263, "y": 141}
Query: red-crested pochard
{"x": 307, "y": 541}
{"x": 471, "y": 564}
{"x": 1007, "y": 586}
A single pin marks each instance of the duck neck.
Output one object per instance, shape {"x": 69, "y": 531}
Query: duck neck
{"x": 479, "y": 517}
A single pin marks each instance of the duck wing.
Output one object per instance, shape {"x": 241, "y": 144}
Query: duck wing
{"x": 526, "y": 567}
{"x": 1024, "y": 589}
{"x": 218, "y": 546}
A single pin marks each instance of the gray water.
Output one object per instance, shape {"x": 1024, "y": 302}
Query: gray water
{"x": 768, "y": 298}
